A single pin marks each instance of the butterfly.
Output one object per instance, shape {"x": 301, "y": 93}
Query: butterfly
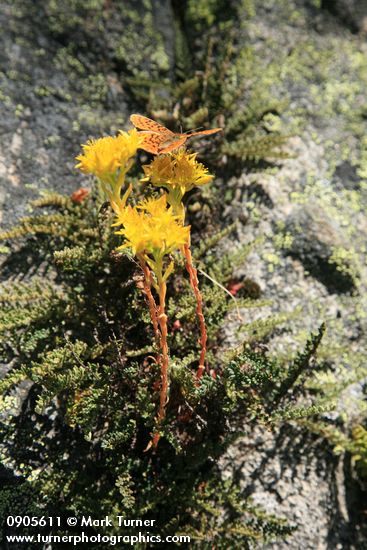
{"x": 156, "y": 138}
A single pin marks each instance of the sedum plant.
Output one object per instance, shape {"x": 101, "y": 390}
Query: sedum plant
{"x": 89, "y": 386}
{"x": 154, "y": 228}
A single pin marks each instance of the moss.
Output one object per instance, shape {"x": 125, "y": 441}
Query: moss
{"x": 5, "y": 99}
{"x": 72, "y": 14}
{"x": 47, "y": 91}
{"x": 150, "y": 59}
{"x": 66, "y": 60}
{"x": 346, "y": 261}
{"x": 52, "y": 140}
{"x": 283, "y": 241}
{"x": 272, "y": 260}
{"x": 204, "y": 13}
{"x": 362, "y": 164}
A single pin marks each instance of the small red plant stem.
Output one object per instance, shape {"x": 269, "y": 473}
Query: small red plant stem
{"x": 199, "y": 308}
{"x": 147, "y": 282}
{"x": 162, "y": 320}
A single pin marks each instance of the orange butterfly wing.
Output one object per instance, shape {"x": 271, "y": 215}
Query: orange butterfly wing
{"x": 159, "y": 139}
{"x": 150, "y": 142}
{"x": 175, "y": 145}
{"x": 155, "y": 134}
{"x": 184, "y": 137}
{"x": 144, "y": 123}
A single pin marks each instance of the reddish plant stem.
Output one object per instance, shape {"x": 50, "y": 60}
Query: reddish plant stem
{"x": 151, "y": 301}
{"x": 199, "y": 308}
{"x": 162, "y": 320}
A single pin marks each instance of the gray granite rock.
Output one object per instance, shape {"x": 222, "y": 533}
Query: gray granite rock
{"x": 62, "y": 81}
{"x": 315, "y": 238}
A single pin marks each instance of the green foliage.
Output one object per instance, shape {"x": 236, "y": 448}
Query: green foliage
{"x": 230, "y": 77}
{"x": 358, "y": 448}
{"x": 213, "y": 78}
{"x": 298, "y": 368}
{"x": 254, "y": 148}
{"x": 80, "y": 346}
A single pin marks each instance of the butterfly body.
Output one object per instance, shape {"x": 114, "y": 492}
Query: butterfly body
{"x": 157, "y": 139}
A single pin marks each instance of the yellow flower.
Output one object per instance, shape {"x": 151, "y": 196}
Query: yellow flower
{"x": 155, "y": 207}
{"x": 152, "y": 228}
{"x": 179, "y": 171}
{"x": 103, "y": 157}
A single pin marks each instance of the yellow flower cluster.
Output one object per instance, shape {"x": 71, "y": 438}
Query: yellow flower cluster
{"x": 152, "y": 228}
{"x": 177, "y": 171}
{"x": 103, "y": 157}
